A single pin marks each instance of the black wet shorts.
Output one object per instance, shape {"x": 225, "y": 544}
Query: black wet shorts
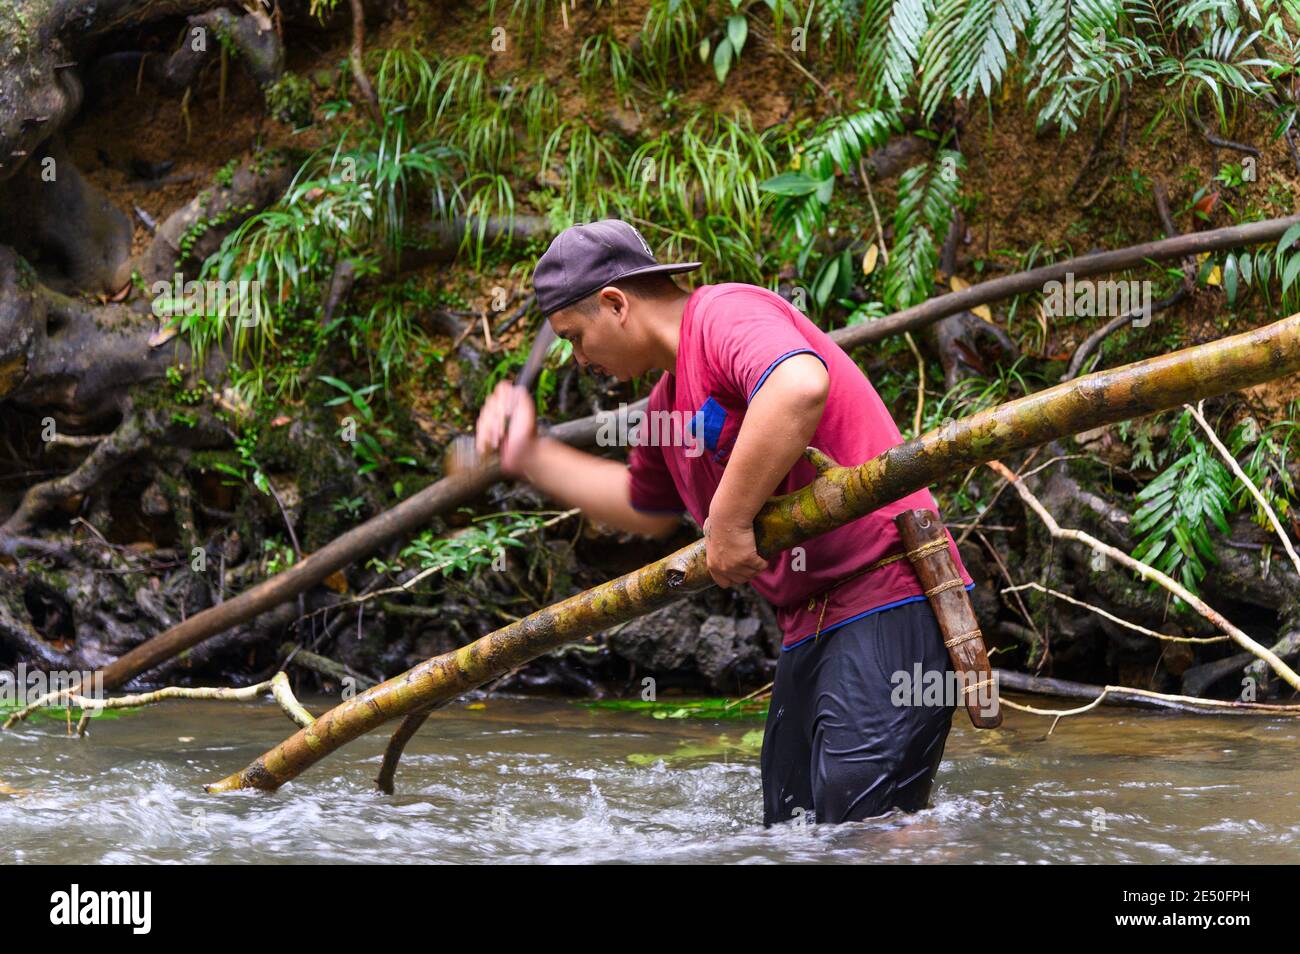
{"x": 837, "y": 747}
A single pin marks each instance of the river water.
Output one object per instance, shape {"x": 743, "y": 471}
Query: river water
{"x": 545, "y": 780}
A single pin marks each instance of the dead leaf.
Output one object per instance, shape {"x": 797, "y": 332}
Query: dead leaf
{"x": 163, "y": 335}
{"x": 122, "y": 293}
{"x": 869, "y": 259}
{"x": 1207, "y": 204}
{"x": 957, "y": 283}
{"x": 983, "y": 312}
{"x": 282, "y": 420}
{"x": 337, "y": 582}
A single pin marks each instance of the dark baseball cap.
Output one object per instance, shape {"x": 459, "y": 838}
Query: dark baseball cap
{"x": 585, "y": 258}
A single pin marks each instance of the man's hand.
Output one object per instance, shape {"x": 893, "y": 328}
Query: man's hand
{"x": 521, "y": 438}
{"x": 732, "y": 554}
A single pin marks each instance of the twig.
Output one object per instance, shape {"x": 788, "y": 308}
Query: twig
{"x": 1006, "y": 574}
{"x": 428, "y": 571}
{"x": 1113, "y": 618}
{"x": 997, "y": 493}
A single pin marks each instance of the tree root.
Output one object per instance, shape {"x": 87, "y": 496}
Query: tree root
{"x": 356, "y": 59}
{"x": 134, "y": 434}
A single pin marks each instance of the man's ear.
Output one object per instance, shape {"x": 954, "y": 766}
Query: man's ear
{"x": 621, "y": 308}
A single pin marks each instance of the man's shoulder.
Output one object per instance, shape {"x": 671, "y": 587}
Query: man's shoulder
{"x": 720, "y": 306}
{"x": 728, "y": 295}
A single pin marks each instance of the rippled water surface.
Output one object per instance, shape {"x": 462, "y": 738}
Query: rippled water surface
{"x": 528, "y": 780}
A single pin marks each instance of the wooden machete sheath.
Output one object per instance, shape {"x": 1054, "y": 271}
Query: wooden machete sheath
{"x": 927, "y": 548}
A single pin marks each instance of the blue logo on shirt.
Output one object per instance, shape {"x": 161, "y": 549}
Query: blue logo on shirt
{"x": 709, "y": 419}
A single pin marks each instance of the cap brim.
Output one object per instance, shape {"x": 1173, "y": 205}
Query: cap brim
{"x": 643, "y": 270}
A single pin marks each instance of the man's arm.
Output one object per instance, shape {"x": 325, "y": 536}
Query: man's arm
{"x": 778, "y": 424}
{"x": 599, "y": 487}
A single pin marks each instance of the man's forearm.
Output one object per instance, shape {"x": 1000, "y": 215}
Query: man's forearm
{"x": 596, "y": 485}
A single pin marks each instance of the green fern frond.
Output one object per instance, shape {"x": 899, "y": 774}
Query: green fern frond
{"x": 1179, "y": 506}
{"x": 927, "y": 195}
{"x": 890, "y": 41}
{"x": 988, "y": 33}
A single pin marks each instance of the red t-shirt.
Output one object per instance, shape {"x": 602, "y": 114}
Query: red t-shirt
{"x": 732, "y": 336}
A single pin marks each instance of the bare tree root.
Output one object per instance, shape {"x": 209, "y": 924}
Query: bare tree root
{"x": 252, "y": 35}
{"x": 194, "y": 231}
{"x": 52, "y": 215}
{"x": 134, "y": 434}
{"x": 27, "y": 644}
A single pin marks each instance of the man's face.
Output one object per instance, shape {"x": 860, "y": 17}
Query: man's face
{"x": 606, "y": 342}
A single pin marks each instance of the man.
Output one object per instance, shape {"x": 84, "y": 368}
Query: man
{"x": 758, "y": 383}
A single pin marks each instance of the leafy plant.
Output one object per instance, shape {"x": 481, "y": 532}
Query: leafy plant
{"x": 1262, "y": 268}
{"x": 1178, "y": 507}
{"x": 805, "y": 191}
{"x": 927, "y": 197}
{"x": 1266, "y": 464}
{"x": 471, "y": 549}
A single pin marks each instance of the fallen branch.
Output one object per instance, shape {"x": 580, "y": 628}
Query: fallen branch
{"x": 1126, "y": 696}
{"x": 324, "y": 666}
{"x": 277, "y": 687}
{"x": 837, "y": 495}
{"x": 132, "y": 436}
{"x": 1148, "y": 573}
{"x": 1033, "y": 280}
